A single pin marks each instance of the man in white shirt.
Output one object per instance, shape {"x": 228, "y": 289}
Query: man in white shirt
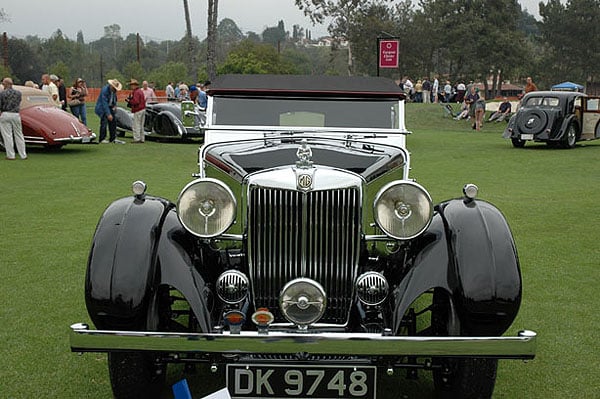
{"x": 435, "y": 89}
{"x": 50, "y": 87}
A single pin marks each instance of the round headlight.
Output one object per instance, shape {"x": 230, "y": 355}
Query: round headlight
{"x": 403, "y": 209}
{"x": 206, "y": 207}
{"x": 302, "y": 301}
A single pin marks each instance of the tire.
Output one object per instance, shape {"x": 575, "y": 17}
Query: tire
{"x": 464, "y": 378}
{"x": 533, "y": 121}
{"x": 570, "y": 138}
{"x": 518, "y": 143}
{"x": 136, "y": 374}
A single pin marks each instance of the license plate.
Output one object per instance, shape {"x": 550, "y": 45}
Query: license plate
{"x": 527, "y": 137}
{"x": 254, "y": 381}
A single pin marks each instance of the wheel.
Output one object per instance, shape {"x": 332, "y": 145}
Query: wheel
{"x": 134, "y": 375}
{"x": 570, "y": 137}
{"x": 465, "y": 378}
{"x": 518, "y": 143}
{"x": 137, "y": 374}
{"x": 532, "y": 121}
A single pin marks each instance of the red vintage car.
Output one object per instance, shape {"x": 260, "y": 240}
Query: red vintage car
{"x": 46, "y": 125}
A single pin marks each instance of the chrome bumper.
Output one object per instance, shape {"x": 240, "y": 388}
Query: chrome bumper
{"x": 83, "y": 339}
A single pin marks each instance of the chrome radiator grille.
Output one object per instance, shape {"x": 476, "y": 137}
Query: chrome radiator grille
{"x": 314, "y": 234}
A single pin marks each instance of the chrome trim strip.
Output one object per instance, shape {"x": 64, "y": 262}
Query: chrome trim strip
{"x": 522, "y": 346}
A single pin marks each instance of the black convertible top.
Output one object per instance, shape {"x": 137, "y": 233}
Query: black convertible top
{"x": 306, "y": 86}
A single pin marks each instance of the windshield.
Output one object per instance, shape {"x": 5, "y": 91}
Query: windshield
{"x": 314, "y": 112}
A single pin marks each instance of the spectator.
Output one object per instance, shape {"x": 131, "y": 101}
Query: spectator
{"x": 106, "y": 107}
{"x": 202, "y": 97}
{"x": 10, "y": 121}
{"x": 137, "y": 102}
{"x": 194, "y": 92}
{"x": 479, "y": 111}
{"x": 447, "y": 91}
{"x": 503, "y": 111}
{"x": 183, "y": 92}
{"x": 426, "y": 90}
{"x": 461, "y": 89}
{"x": 29, "y": 83}
{"x": 464, "y": 112}
{"x": 419, "y": 91}
{"x": 435, "y": 88}
{"x": 50, "y": 87}
{"x": 170, "y": 92}
{"x": 76, "y": 98}
{"x": 149, "y": 94}
{"x": 470, "y": 100}
{"x": 62, "y": 93}
{"x": 408, "y": 87}
{"x": 530, "y": 86}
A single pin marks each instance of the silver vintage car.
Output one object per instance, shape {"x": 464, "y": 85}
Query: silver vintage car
{"x": 302, "y": 259}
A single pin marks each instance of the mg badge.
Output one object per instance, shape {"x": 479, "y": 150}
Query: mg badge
{"x": 305, "y": 181}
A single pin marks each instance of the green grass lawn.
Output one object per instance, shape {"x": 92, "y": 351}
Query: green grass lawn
{"x": 52, "y": 202}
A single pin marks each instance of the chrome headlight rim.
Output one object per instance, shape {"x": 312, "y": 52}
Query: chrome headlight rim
{"x": 384, "y": 190}
{"x": 228, "y": 193}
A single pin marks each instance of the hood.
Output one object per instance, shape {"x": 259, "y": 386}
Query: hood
{"x": 365, "y": 159}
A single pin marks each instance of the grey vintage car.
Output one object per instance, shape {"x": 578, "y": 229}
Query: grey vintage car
{"x": 302, "y": 259}
{"x": 558, "y": 118}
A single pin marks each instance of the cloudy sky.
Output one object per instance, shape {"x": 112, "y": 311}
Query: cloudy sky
{"x": 155, "y": 20}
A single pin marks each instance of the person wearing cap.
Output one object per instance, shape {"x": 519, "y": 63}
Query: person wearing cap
{"x": 76, "y": 98}
{"x": 49, "y": 86}
{"x": 106, "y": 107}
{"x": 137, "y": 102}
{"x": 10, "y": 120}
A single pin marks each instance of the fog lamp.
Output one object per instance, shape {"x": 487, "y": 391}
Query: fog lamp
{"x": 206, "y": 207}
{"x": 232, "y": 286}
{"x": 371, "y": 288}
{"x": 303, "y": 301}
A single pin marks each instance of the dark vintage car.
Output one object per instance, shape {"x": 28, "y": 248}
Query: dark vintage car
{"x": 302, "y": 259}
{"x": 169, "y": 120}
{"x": 557, "y": 118}
{"x": 46, "y": 125}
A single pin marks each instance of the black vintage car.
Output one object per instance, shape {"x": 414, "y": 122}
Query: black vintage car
{"x": 302, "y": 259}
{"x": 557, "y": 118}
{"x": 182, "y": 120}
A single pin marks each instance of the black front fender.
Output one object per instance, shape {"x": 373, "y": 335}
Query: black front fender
{"x": 122, "y": 262}
{"x": 472, "y": 256}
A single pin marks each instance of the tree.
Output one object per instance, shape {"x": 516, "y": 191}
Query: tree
{"x": 112, "y": 31}
{"x": 249, "y": 57}
{"x": 470, "y": 39}
{"x": 274, "y": 35}
{"x": 341, "y": 12}
{"x": 24, "y": 61}
{"x": 169, "y": 72}
{"x": 572, "y": 36}
{"x": 188, "y": 37}
{"x": 211, "y": 39}
{"x": 4, "y": 17}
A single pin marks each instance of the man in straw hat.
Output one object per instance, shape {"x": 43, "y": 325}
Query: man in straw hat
{"x": 137, "y": 102}
{"x": 106, "y": 107}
